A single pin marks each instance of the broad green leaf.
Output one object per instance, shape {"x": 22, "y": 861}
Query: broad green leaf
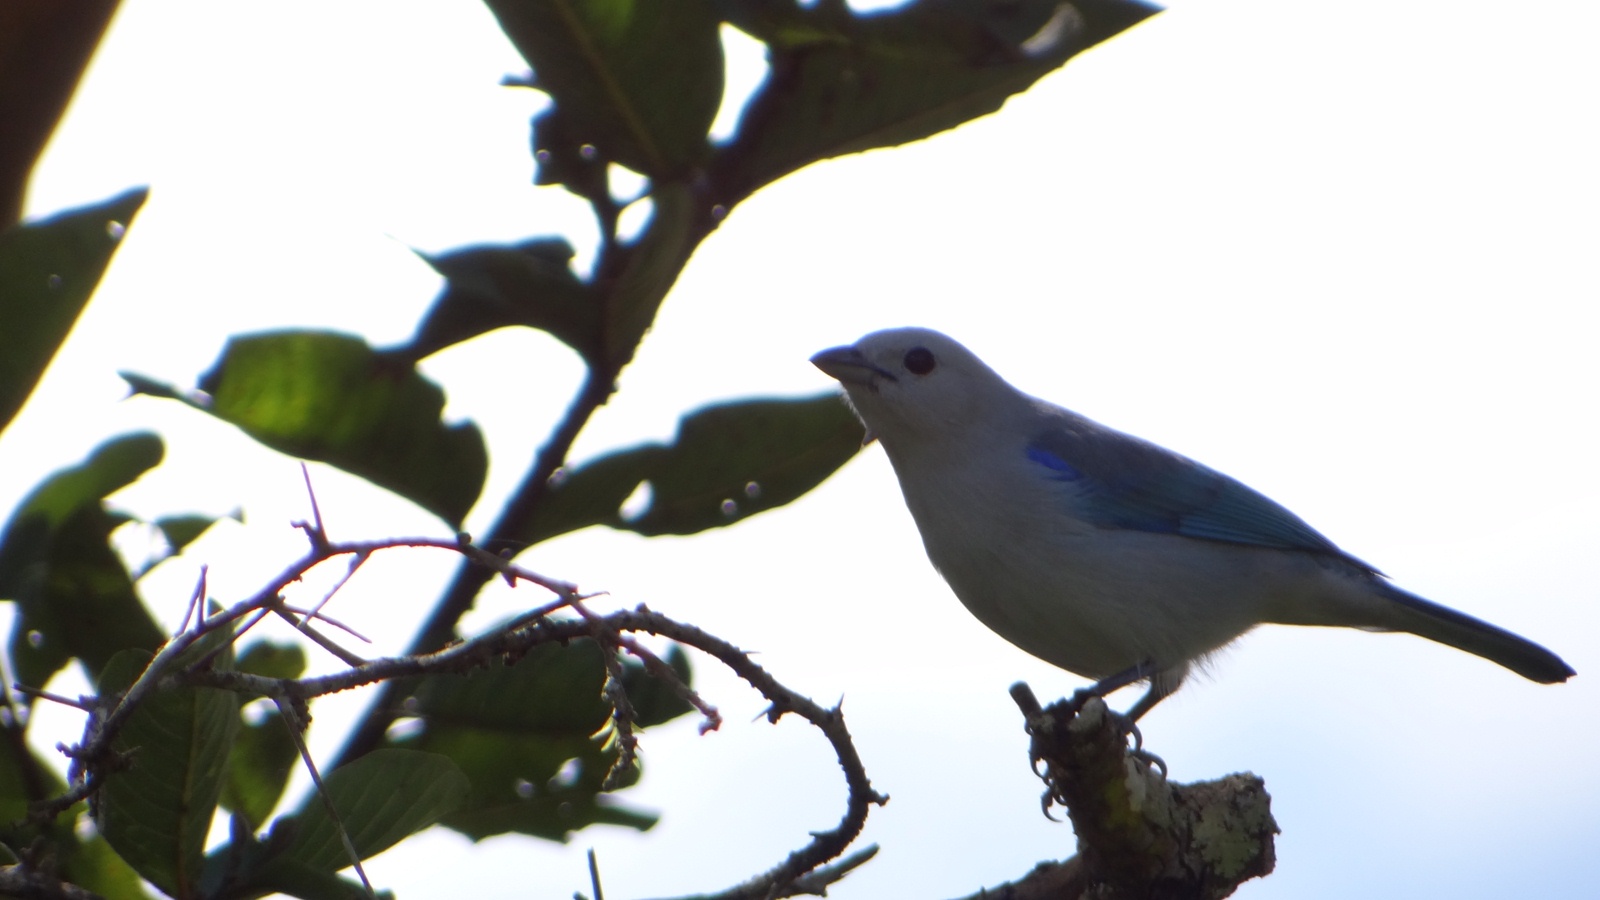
{"x": 259, "y": 765}
{"x": 331, "y": 398}
{"x": 532, "y": 737}
{"x": 272, "y": 660}
{"x": 382, "y": 798}
{"x": 552, "y": 689}
{"x": 92, "y": 865}
{"x": 283, "y": 876}
{"x": 654, "y": 701}
{"x": 638, "y": 82}
{"x": 736, "y": 459}
{"x": 48, "y": 270}
{"x": 490, "y": 287}
{"x": 842, "y": 82}
{"x": 562, "y": 157}
{"x": 652, "y": 265}
{"x": 24, "y": 779}
{"x": 248, "y": 868}
{"x": 729, "y": 461}
{"x": 74, "y": 596}
{"x": 181, "y": 531}
{"x": 264, "y": 755}
{"x": 592, "y": 494}
{"x": 156, "y": 813}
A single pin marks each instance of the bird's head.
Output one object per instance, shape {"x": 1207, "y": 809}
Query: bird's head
{"x": 910, "y": 384}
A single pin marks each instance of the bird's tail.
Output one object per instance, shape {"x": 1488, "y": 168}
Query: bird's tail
{"x": 1447, "y": 626}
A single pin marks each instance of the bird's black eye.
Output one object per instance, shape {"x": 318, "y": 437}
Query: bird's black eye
{"x": 919, "y": 360}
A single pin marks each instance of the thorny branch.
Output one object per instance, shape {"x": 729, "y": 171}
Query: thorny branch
{"x": 181, "y": 663}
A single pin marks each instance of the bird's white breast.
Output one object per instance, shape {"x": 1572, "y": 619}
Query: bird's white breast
{"x": 1091, "y": 600}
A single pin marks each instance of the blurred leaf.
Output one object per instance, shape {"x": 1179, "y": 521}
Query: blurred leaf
{"x": 156, "y": 813}
{"x": 736, "y": 459}
{"x": 181, "y": 531}
{"x": 24, "y": 778}
{"x": 563, "y": 157}
{"x": 729, "y": 461}
{"x": 331, "y": 398}
{"x": 641, "y": 82}
{"x": 531, "y": 737}
{"x": 552, "y": 689}
{"x": 842, "y": 82}
{"x": 92, "y": 865}
{"x": 527, "y": 284}
{"x": 259, "y": 765}
{"x": 74, "y": 596}
{"x": 654, "y": 701}
{"x": 382, "y": 798}
{"x": 264, "y": 755}
{"x": 48, "y": 270}
{"x": 272, "y": 660}
{"x": 592, "y": 493}
{"x": 284, "y": 876}
{"x": 653, "y": 262}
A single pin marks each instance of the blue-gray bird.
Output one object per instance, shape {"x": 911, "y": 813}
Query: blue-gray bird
{"x": 1104, "y": 554}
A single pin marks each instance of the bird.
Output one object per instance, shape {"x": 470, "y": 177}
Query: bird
{"x": 1104, "y": 554}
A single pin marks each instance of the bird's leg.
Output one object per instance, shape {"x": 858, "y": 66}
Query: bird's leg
{"x": 1163, "y": 682}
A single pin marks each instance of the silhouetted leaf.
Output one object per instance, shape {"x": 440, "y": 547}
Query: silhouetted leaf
{"x": 654, "y": 701}
{"x": 181, "y": 531}
{"x": 533, "y": 739}
{"x": 272, "y": 660}
{"x": 331, "y": 398}
{"x": 382, "y": 798}
{"x": 156, "y": 813}
{"x": 843, "y": 82}
{"x": 640, "y": 82}
{"x": 48, "y": 270}
{"x": 729, "y": 461}
{"x": 653, "y": 262}
{"x": 490, "y": 287}
{"x": 736, "y": 459}
{"x": 259, "y": 765}
{"x": 73, "y": 594}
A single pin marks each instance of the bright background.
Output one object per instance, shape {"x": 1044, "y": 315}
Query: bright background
{"x": 1342, "y": 251}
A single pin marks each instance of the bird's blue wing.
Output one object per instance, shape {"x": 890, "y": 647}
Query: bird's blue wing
{"x": 1123, "y": 482}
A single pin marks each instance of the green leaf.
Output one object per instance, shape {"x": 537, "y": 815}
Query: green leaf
{"x": 282, "y": 876}
{"x": 48, "y": 270}
{"x": 532, "y": 739}
{"x": 382, "y": 798}
{"x": 490, "y": 287}
{"x": 639, "y": 82}
{"x": 74, "y": 596}
{"x": 272, "y": 660}
{"x": 92, "y": 865}
{"x": 653, "y": 263}
{"x": 24, "y": 778}
{"x": 259, "y": 765}
{"x": 592, "y": 493}
{"x": 264, "y": 755}
{"x": 729, "y": 461}
{"x": 331, "y": 398}
{"x": 181, "y": 531}
{"x": 156, "y": 813}
{"x": 841, "y": 82}
{"x": 736, "y": 459}
{"x": 654, "y": 701}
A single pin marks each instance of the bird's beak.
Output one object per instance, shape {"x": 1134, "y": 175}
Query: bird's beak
{"x": 849, "y": 365}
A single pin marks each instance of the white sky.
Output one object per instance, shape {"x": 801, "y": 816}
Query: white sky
{"x": 1344, "y": 252}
